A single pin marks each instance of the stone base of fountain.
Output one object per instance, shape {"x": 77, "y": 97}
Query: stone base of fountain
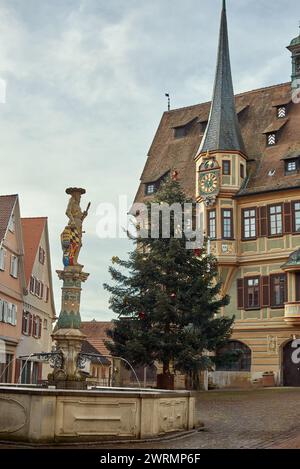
{"x": 56, "y": 415}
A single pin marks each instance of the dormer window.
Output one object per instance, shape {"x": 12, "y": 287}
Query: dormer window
{"x": 180, "y": 132}
{"x": 203, "y": 126}
{"x": 271, "y": 139}
{"x": 150, "y": 188}
{"x": 281, "y": 112}
{"x": 291, "y": 166}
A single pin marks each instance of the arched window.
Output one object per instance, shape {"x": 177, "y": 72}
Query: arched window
{"x": 243, "y": 363}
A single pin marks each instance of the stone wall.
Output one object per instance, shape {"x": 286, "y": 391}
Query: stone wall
{"x": 50, "y": 415}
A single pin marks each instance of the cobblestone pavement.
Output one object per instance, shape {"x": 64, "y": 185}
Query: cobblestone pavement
{"x": 266, "y": 418}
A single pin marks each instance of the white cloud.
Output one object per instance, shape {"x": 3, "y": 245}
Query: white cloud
{"x": 85, "y": 92}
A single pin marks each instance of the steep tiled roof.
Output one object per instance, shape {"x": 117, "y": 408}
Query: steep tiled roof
{"x": 87, "y": 347}
{"x": 95, "y": 332}
{"x": 258, "y": 113}
{"x": 7, "y": 203}
{"x": 32, "y": 231}
{"x": 223, "y": 130}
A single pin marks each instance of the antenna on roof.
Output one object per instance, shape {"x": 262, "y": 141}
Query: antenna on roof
{"x": 167, "y": 95}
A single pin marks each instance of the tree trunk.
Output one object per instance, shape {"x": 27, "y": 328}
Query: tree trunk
{"x": 166, "y": 379}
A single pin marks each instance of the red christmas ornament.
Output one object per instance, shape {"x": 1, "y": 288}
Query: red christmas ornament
{"x": 197, "y": 252}
{"x": 173, "y": 295}
{"x": 142, "y": 315}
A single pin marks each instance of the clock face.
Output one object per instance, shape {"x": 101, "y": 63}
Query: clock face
{"x": 209, "y": 183}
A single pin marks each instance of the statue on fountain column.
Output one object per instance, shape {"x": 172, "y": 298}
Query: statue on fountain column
{"x": 67, "y": 334}
{"x": 71, "y": 237}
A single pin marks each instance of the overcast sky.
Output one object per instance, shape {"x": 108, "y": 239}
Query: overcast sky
{"x": 85, "y": 93}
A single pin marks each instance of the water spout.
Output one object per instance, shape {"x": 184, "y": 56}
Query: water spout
{"x": 7, "y": 366}
{"x": 23, "y": 367}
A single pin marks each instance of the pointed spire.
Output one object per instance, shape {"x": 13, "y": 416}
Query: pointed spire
{"x": 223, "y": 130}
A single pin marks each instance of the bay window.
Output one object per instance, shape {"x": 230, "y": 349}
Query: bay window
{"x": 227, "y": 223}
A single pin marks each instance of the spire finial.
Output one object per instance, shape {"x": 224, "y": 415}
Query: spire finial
{"x": 223, "y": 130}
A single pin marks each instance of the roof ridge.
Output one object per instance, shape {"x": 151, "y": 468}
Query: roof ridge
{"x": 172, "y": 111}
{"x": 9, "y": 195}
{"x": 34, "y": 218}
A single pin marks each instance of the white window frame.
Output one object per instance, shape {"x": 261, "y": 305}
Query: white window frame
{"x": 291, "y": 166}
{"x": 150, "y": 189}
{"x": 26, "y": 314}
{"x": 249, "y": 222}
{"x": 276, "y": 220}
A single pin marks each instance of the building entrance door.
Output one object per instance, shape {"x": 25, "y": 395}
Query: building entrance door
{"x": 291, "y": 370}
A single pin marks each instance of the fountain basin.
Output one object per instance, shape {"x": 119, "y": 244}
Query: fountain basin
{"x": 54, "y": 415}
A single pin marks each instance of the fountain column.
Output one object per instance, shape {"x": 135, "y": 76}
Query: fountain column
{"x": 67, "y": 334}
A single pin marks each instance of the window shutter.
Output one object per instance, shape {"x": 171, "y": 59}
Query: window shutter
{"x": 285, "y": 288}
{"x": 263, "y": 221}
{"x": 2, "y": 259}
{"x": 1, "y": 310}
{"x": 17, "y": 370}
{"x": 265, "y": 291}
{"x": 40, "y": 327}
{"x": 42, "y": 290}
{"x": 24, "y": 323}
{"x": 287, "y": 217}
{"x": 243, "y": 224}
{"x": 30, "y": 319}
{"x": 240, "y": 293}
{"x": 5, "y": 311}
{"x": 34, "y": 326}
{"x": 14, "y": 315}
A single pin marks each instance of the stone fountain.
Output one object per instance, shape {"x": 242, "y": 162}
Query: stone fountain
{"x": 67, "y": 334}
{"x": 66, "y": 410}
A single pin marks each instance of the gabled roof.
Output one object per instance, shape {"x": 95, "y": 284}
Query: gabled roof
{"x": 223, "y": 130}
{"x": 7, "y": 203}
{"x": 87, "y": 347}
{"x": 167, "y": 153}
{"x": 32, "y": 232}
{"x": 276, "y": 125}
{"x": 95, "y": 332}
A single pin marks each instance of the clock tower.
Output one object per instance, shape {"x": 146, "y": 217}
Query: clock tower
{"x": 221, "y": 159}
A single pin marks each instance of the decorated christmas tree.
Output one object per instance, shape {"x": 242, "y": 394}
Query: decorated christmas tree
{"x": 167, "y": 299}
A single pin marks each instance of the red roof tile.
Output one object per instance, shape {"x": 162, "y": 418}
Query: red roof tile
{"x": 95, "y": 332}
{"x": 168, "y": 153}
{"x": 32, "y": 231}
